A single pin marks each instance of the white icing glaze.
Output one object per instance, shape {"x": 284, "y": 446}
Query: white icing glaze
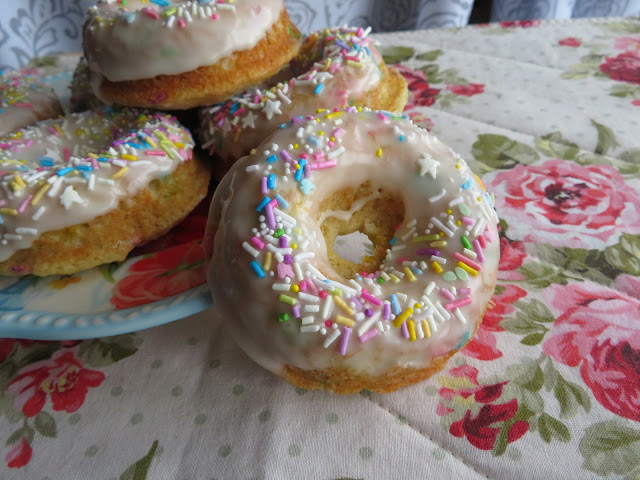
{"x": 342, "y": 69}
{"x": 68, "y": 171}
{"x": 143, "y": 39}
{"x": 391, "y": 154}
{"x": 24, "y": 100}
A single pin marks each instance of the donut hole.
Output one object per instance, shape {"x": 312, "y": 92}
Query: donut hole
{"x": 350, "y": 215}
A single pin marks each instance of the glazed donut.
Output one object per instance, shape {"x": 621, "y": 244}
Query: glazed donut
{"x": 82, "y": 96}
{"x": 321, "y": 321}
{"x": 84, "y": 190}
{"x": 335, "y": 67}
{"x": 172, "y": 54}
{"x": 25, "y": 100}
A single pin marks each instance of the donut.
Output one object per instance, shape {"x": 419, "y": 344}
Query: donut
{"x": 82, "y": 96}
{"x": 324, "y": 321}
{"x": 85, "y": 189}
{"x": 25, "y": 100}
{"x": 335, "y": 67}
{"x": 181, "y": 54}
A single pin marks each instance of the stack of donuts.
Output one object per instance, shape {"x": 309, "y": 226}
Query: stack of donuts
{"x": 306, "y": 137}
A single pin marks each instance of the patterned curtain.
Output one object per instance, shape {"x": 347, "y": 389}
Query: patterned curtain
{"x": 509, "y": 10}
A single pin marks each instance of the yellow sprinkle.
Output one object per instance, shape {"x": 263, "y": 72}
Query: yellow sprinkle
{"x": 294, "y": 245}
{"x": 295, "y": 146}
{"x": 297, "y": 230}
{"x": 120, "y": 173}
{"x": 449, "y": 211}
{"x": 468, "y": 269}
{"x": 79, "y": 132}
{"x": 92, "y": 155}
{"x": 267, "y": 261}
{"x": 426, "y": 329}
{"x": 253, "y": 151}
{"x": 236, "y": 137}
{"x": 402, "y": 317}
{"x": 440, "y": 243}
{"x": 341, "y": 303}
{"x": 150, "y": 142}
{"x": 441, "y": 234}
{"x": 416, "y": 306}
{"x": 412, "y": 330}
{"x": 480, "y": 182}
{"x": 410, "y": 276}
{"x": 294, "y": 288}
{"x": 393, "y": 278}
{"x": 379, "y": 152}
{"x": 181, "y": 145}
{"x": 425, "y": 238}
{"x": 334, "y": 114}
{"x": 347, "y": 322}
{"x": 36, "y": 198}
{"x": 297, "y": 166}
{"x": 320, "y": 110}
{"x": 18, "y": 179}
{"x": 355, "y": 64}
{"x": 8, "y": 211}
{"x": 436, "y": 267}
{"x": 333, "y": 139}
{"x": 127, "y": 156}
{"x": 458, "y": 223}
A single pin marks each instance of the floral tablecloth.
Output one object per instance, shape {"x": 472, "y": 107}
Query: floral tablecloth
{"x": 549, "y": 115}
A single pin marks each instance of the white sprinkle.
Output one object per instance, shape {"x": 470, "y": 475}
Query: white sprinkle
{"x": 298, "y": 270}
{"x": 338, "y": 151}
{"x": 304, "y": 256}
{"x": 440, "y": 260}
{"x": 437, "y": 197}
{"x": 311, "y": 308}
{"x": 254, "y": 253}
{"x": 309, "y": 328}
{"x": 441, "y": 226}
{"x": 308, "y": 298}
{"x": 55, "y": 188}
{"x": 355, "y": 284}
{"x": 368, "y": 323}
{"x": 281, "y": 286}
{"x": 331, "y": 338}
{"x": 455, "y": 201}
{"x": 327, "y": 306}
{"x": 460, "y": 316}
{"x": 470, "y": 253}
{"x": 26, "y": 231}
{"x": 12, "y": 236}
{"x": 307, "y": 320}
{"x": 446, "y": 315}
{"x": 408, "y": 234}
{"x": 479, "y": 227}
{"x": 38, "y": 213}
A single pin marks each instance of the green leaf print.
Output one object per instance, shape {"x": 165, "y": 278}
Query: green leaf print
{"x": 45, "y": 425}
{"x": 554, "y": 145}
{"x": 140, "y": 469}
{"x": 397, "y": 54}
{"x": 429, "y": 56}
{"x": 551, "y": 428}
{"x": 26, "y": 432}
{"x": 606, "y": 138}
{"x": 108, "y": 269}
{"x": 432, "y": 73}
{"x": 610, "y": 447}
{"x": 625, "y": 255}
{"x": 631, "y": 26}
{"x": 498, "y": 151}
{"x": 625, "y": 91}
{"x": 106, "y": 351}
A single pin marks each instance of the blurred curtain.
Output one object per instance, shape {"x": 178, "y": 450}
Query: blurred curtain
{"x": 505, "y": 10}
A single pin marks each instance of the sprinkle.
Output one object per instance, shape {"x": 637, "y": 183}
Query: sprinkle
{"x": 412, "y": 330}
{"x": 38, "y": 196}
{"x": 287, "y": 299}
{"x": 267, "y": 261}
{"x": 379, "y": 152}
{"x": 460, "y": 316}
{"x": 447, "y": 294}
{"x": 318, "y": 89}
{"x": 395, "y": 306}
{"x": 310, "y": 328}
{"x": 478, "y": 249}
{"x": 488, "y": 235}
{"x": 437, "y": 197}
{"x": 343, "y": 305}
{"x": 331, "y": 338}
{"x": 335, "y": 153}
{"x": 409, "y": 274}
{"x": 482, "y": 241}
{"x": 281, "y": 201}
{"x": 470, "y": 253}
{"x": 120, "y": 173}
{"x": 468, "y": 269}
{"x": 465, "y": 241}
{"x": 402, "y": 317}
{"x": 308, "y": 298}
{"x": 458, "y": 303}
{"x": 250, "y": 249}
{"x": 368, "y": 335}
{"x": 257, "y": 242}
{"x": 370, "y": 298}
{"x": 346, "y": 332}
{"x": 440, "y": 225}
{"x": 468, "y": 261}
{"x": 347, "y": 322}
{"x": 327, "y": 307}
{"x": 256, "y": 268}
{"x": 436, "y": 267}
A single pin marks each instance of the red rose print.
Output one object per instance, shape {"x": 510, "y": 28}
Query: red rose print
{"x": 511, "y": 256}
{"x": 481, "y": 430}
{"x": 623, "y": 68}
{"x": 62, "y": 377}
{"x": 565, "y": 204}
{"x": 420, "y": 93}
{"x": 520, "y": 23}
{"x": 570, "y": 42}
{"x": 599, "y": 331}
{"x": 636, "y": 102}
{"x": 6, "y": 347}
{"x": 466, "y": 90}
{"x": 163, "y": 275}
{"x": 19, "y": 455}
{"x": 630, "y": 43}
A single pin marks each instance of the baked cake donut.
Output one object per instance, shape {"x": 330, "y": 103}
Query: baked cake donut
{"x": 85, "y": 189}
{"x": 25, "y": 100}
{"x": 335, "y": 67}
{"x": 170, "y": 54}
{"x": 321, "y": 321}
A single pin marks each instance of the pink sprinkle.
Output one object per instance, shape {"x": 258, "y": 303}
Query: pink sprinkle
{"x": 156, "y": 153}
{"x": 296, "y": 311}
{"x": 372, "y": 332}
{"x": 459, "y": 303}
{"x": 488, "y": 234}
{"x": 467, "y": 220}
{"x": 257, "y": 242}
{"x": 67, "y": 154}
{"x": 214, "y": 16}
{"x": 322, "y": 294}
{"x": 28, "y": 144}
{"x": 331, "y": 143}
{"x": 466, "y": 260}
{"x": 24, "y": 204}
{"x": 383, "y": 117}
{"x": 149, "y": 12}
{"x": 386, "y": 311}
{"x": 370, "y": 298}
{"x": 263, "y": 182}
{"x": 360, "y": 32}
{"x": 182, "y": 23}
{"x": 239, "y": 111}
{"x": 447, "y": 294}
{"x": 405, "y": 330}
{"x": 303, "y": 286}
{"x": 321, "y": 165}
{"x": 317, "y": 156}
{"x": 478, "y": 248}
{"x": 483, "y": 243}
{"x": 465, "y": 291}
{"x": 337, "y": 132}
{"x": 344, "y": 340}
{"x": 271, "y": 219}
{"x": 403, "y": 259}
{"x": 284, "y": 270}
{"x": 273, "y": 203}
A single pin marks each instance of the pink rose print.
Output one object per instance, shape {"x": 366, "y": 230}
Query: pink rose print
{"x": 420, "y": 93}
{"x": 512, "y": 255}
{"x": 565, "y": 204}
{"x": 599, "y": 331}
{"x": 570, "y": 42}
{"x": 61, "y": 378}
{"x": 19, "y": 455}
{"x": 630, "y": 43}
{"x": 636, "y": 102}
{"x": 628, "y": 284}
{"x": 480, "y": 430}
{"x": 466, "y": 90}
{"x": 623, "y": 68}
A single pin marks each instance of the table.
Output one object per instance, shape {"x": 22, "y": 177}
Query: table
{"x": 548, "y": 114}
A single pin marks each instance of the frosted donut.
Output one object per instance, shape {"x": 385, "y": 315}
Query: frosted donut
{"x": 307, "y": 315}
{"x": 82, "y": 96}
{"x": 335, "y": 67}
{"x": 181, "y": 54}
{"x": 86, "y": 189}
{"x": 25, "y": 100}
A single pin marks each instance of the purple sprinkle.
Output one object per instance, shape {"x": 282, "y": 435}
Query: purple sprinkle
{"x": 357, "y": 306}
{"x": 284, "y": 154}
{"x": 283, "y": 241}
{"x": 368, "y": 313}
{"x": 263, "y": 181}
{"x": 386, "y": 311}
{"x": 344, "y": 340}
{"x": 296, "y": 311}
{"x": 428, "y": 251}
{"x": 405, "y": 330}
{"x": 288, "y": 259}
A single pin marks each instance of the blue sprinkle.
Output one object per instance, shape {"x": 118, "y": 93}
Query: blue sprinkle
{"x": 271, "y": 181}
{"x": 63, "y": 171}
{"x": 85, "y": 175}
{"x": 366, "y": 49}
{"x": 272, "y": 158}
{"x": 358, "y": 278}
{"x": 416, "y": 270}
{"x": 318, "y": 89}
{"x": 281, "y": 201}
{"x": 467, "y": 184}
{"x": 235, "y": 106}
{"x": 402, "y": 138}
{"x": 204, "y": 2}
{"x": 395, "y": 306}
{"x": 281, "y": 126}
{"x": 1, "y": 220}
{"x": 306, "y": 186}
{"x": 86, "y": 168}
{"x": 46, "y": 161}
{"x": 129, "y": 16}
{"x": 300, "y": 173}
{"x": 392, "y": 241}
{"x": 0, "y": 108}
{"x": 257, "y": 268}
{"x": 313, "y": 140}
{"x": 162, "y": 3}
{"x": 103, "y": 159}
{"x": 463, "y": 341}
{"x": 134, "y": 145}
{"x": 263, "y": 204}
{"x": 341, "y": 44}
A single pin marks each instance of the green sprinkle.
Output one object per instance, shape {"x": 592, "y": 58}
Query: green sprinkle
{"x": 462, "y": 275}
{"x": 426, "y": 238}
{"x": 336, "y": 291}
{"x": 465, "y": 242}
{"x": 283, "y": 317}
{"x": 380, "y": 280}
{"x": 287, "y": 299}
{"x": 449, "y": 277}
{"x": 464, "y": 209}
{"x": 278, "y": 233}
